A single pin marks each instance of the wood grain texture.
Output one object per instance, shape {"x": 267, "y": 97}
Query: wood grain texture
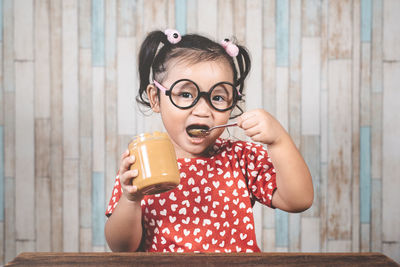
{"x": 339, "y": 145}
{"x": 356, "y": 120}
{"x": 24, "y": 152}
{"x": 340, "y": 29}
{"x": 56, "y": 159}
{"x": 390, "y": 151}
{"x": 212, "y": 259}
{"x": 391, "y": 31}
{"x": 23, "y": 29}
{"x": 42, "y": 59}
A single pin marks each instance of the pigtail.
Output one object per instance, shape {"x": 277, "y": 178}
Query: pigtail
{"x": 244, "y": 64}
{"x": 147, "y": 53}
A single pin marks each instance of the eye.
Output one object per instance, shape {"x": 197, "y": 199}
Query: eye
{"x": 218, "y": 98}
{"x": 185, "y": 95}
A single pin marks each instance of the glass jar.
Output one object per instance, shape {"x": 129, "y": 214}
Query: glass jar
{"x": 155, "y": 162}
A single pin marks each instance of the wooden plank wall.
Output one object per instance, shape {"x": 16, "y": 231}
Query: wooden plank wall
{"x": 328, "y": 70}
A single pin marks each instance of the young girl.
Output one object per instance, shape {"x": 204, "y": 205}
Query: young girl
{"x": 196, "y": 83}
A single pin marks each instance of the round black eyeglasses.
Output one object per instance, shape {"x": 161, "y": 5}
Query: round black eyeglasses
{"x": 185, "y": 93}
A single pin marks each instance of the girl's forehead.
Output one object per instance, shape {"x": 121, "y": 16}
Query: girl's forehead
{"x": 215, "y": 69}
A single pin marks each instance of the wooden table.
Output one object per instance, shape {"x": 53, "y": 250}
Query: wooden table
{"x": 201, "y": 259}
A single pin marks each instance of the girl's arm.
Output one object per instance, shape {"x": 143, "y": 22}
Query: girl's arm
{"x": 294, "y": 191}
{"x": 123, "y": 229}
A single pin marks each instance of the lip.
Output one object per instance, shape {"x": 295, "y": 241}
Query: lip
{"x": 196, "y": 140}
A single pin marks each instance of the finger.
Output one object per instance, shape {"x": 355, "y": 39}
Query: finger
{"x": 252, "y": 132}
{"x": 245, "y": 116}
{"x": 258, "y": 138}
{"x": 124, "y": 154}
{"x": 127, "y": 177}
{"x": 249, "y": 123}
{"x": 131, "y": 189}
{"x": 126, "y": 163}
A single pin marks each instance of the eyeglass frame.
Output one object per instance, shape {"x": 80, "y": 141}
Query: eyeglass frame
{"x": 237, "y": 96}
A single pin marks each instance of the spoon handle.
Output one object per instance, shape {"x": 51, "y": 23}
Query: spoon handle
{"x": 224, "y": 125}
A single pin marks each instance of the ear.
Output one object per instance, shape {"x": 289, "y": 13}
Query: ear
{"x": 152, "y": 93}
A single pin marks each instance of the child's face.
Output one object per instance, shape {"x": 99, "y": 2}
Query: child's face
{"x": 177, "y": 121}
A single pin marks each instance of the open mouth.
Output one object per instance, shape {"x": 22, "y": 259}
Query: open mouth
{"x": 194, "y": 130}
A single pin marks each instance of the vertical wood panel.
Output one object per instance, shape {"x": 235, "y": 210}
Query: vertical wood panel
{"x": 126, "y": 83}
{"x": 9, "y": 213}
{"x": 2, "y": 185}
{"x": 23, "y": 29}
{"x": 180, "y": 13}
{"x": 112, "y": 154}
{"x": 310, "y": 86}
{"x": 225, "y": 19}
{"x": 269, "y": 23}
{"x": 126, "y": 22}
{"x": 282, "y": 33}
{"x": 282, "y": 86}
{"x": 70, "y": 106}
{"x": 376, "y": 88}
{"x": 9, "y": 94}
{"x": 24, "y": 155}
{"x": 85, "y": 24}
{"x": 391, "y": 30}
{"x": 56, "y": 159}
{"x": 339, "y": 28}
{"x": 85, "y": 140}
{"x": 43, "y": 214}
{"x": 324, "y": 82}
{"x": 42, "y": 59}
{"x": 376, "y": 218}
{"x": 366, "y": 20}
{"x": 311, "y": 19}
{"x": 391, "y": 154}
{"x": 98, "y": 14}
{"x": 70, "y": 78}
{"x": 356, "y": 127}
{"x": 42, "y": 185}
{"x": 70, "y": 205}
{"x": 191, "y": 17}
{"x": 98, "y": 182}
{"x": 339, "y": 127}
{"x": 310, "y": 234}
{"x": 254, "y": 44}
{"x": 207, "y": 17}
{"x": 239, "y": 21}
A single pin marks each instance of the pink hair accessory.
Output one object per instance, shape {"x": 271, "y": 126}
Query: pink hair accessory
{"x": 230, "y": 48}
{"x": 173, "y": 36}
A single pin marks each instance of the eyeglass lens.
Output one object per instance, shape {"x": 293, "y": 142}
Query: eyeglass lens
{"x": 186, "y": 93}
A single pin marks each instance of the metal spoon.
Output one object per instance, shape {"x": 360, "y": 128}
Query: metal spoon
{"x": 204, "y": 132}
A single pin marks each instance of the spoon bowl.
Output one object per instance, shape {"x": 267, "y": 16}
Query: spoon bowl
{"x": 204, "y": 132}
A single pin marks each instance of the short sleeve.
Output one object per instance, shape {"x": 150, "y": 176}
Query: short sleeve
{"x": 260, "y": 173}
{"x": 116, "y": 194}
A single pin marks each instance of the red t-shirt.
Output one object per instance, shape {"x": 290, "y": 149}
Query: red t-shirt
{"x": 211, "y": 209}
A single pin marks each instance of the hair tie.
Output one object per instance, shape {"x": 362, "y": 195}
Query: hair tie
{"x": 230, "y": 48}
{"x": 173, "y": 36}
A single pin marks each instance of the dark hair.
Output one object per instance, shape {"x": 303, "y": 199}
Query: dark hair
{"x": 192, "y": 48}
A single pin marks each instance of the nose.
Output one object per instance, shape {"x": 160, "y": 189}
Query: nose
{"x": 202, "y": 108}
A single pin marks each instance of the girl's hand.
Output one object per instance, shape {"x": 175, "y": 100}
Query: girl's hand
{"x": 126, "y": 175}
{"x": 261, "y": 126}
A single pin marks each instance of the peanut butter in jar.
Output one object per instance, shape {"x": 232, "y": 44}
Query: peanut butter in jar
{"x": 156, "y": 163}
